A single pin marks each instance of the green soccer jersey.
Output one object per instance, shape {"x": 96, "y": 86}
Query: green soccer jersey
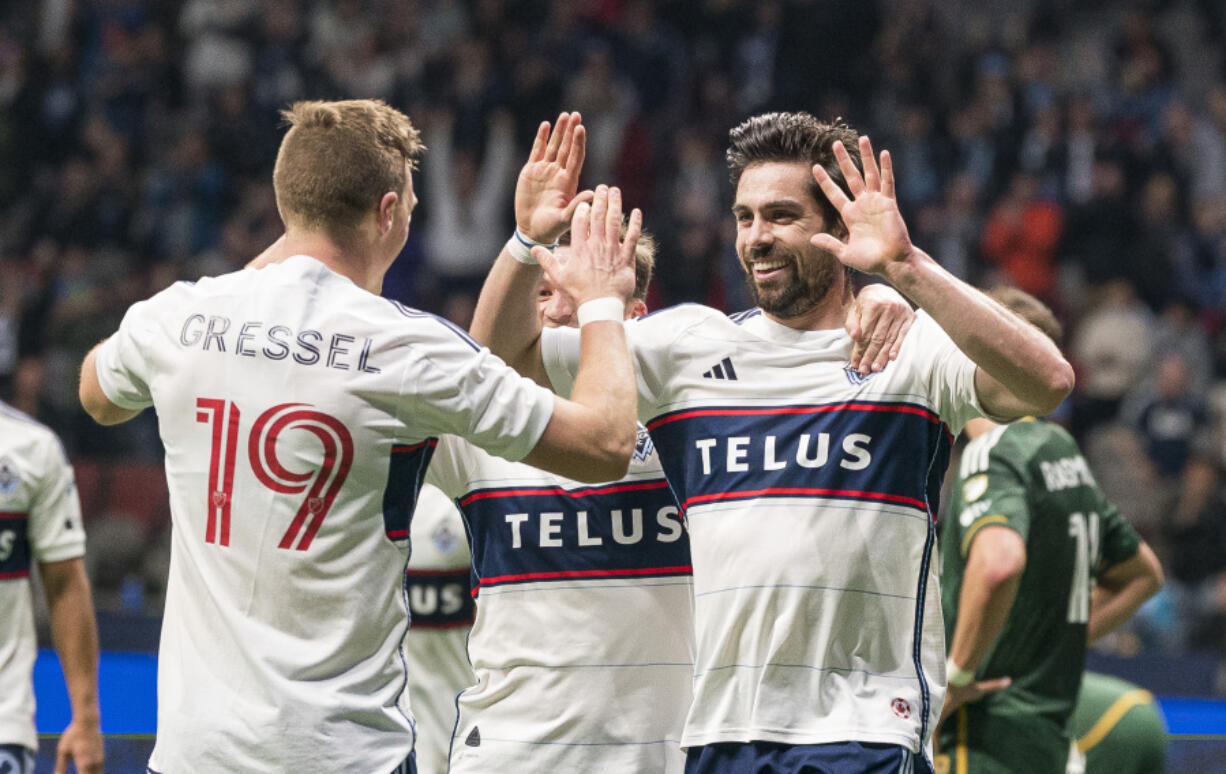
{"x": 1118, "y": 727}
{"x": 1030, "y": 477}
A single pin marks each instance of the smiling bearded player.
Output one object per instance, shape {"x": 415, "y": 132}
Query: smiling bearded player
{"x": 807, "y": 486}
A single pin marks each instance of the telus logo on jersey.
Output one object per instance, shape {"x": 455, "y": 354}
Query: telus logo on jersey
{"x": 255, "y": 338}
{"x": 439, "y": 599}
{"x": 550, "y": 533}
{"x": 857, "y": 450}
{"x": 14, "y": 545}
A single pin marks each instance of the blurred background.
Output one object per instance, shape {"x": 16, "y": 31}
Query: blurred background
{"x": 1074, "y": 149}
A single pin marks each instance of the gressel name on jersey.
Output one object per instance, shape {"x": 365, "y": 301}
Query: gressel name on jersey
{"x": 256, "y": 338}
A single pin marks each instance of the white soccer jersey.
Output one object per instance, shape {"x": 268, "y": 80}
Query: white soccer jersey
{"x": 583, "y": 644}
{"x": 442, "y": 614}
{"x": 809, "y": 492}
{"x": 298, "y": 413}
{"x": 40, "y": 521}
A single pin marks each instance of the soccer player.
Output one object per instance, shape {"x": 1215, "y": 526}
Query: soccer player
{"x": 1118, "y": 727}
{"x": 40, "y": 521}
{"x": 806, "y": 485}
{"x": 1036, "y": 564}
{"x": 441, "y": 614}
{"x": 298, "y": 412}
{"x": 583, "y": 644}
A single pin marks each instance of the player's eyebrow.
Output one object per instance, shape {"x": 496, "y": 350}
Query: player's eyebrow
{"x": 774, "y": 204}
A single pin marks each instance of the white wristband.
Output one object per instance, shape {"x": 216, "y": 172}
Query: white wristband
{"x": 599, "y": 309}
{"x": 520, "y": 248}
{"x": 956, "y": 675}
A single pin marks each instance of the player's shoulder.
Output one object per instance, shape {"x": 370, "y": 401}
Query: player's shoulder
{"x": 680, "y": 315}
{"x": 20, "y": 429}
{"x": 421, "y": 324}
{"x": 1030, "y": 435}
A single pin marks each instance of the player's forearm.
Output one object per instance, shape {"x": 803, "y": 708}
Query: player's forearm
{"x": 75, "y": 636}
{"x": 1121, "y": 592}
{"x": 605, "y": 385}
{"x": 506, "y": 318}
{"x": 988, "y": 591}
{"x": 1015, "y": 354}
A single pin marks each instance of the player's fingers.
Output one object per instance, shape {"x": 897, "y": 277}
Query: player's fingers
{"x": 890, "y": 341}
{"x": 555, "y": 139}
{"x": 539, "y": 142}
{"x": 583, "y": 197}
{"x": 613, "y": 219}
{"x": 984, "y": 687}
{"x": 568, "y": 134}
{"x": 633, "y": 229}
{"x": 872, "y": 178}
{"x": 855, "y": 182}
{"x": 61, "y": 757}
{"x": 578, "y": 149}
{"x": 902, "y": 334}
{"x": 874, "y": 339}
{"x": 835, "y": 194}
{"x": 887, "y": 174}
{"x": 579, "y": 223}
{"x": 828, "y": 243}
{"x": 600, "y": 208}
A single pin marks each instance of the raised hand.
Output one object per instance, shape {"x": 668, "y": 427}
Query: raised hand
{"x": 600, "y": 263}
{"x": 545, "y": 194}
{"x": 876, "y": 233}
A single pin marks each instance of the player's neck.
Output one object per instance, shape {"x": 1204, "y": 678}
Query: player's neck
{"x": 977, "y": 427}
{"x": 353, "y": 263}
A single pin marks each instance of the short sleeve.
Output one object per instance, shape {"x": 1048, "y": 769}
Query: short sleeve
{"x": 448, "y": 466}
{"x": 56, "y": 531}
{"x": 1120, "y": 542}
{"x": 123, "y": 362}
{"x": 993, "y": 496}
{"x": 950, "y": 373}
{"x": 454, "y": 386}
{"x": 560, "y": 353}
{"x": 650, "y": 339}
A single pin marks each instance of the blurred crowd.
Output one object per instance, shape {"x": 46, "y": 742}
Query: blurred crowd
{"x": 1076, "y": 150}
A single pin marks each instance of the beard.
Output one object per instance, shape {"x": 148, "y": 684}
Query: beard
{"x": 803, "y": 284}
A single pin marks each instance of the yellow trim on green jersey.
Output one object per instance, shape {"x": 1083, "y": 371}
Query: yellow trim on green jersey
{"x": 1114, "y": 714}
{"x": 979, "y": 524}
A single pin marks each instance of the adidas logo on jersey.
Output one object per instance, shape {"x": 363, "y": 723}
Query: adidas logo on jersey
{"x": 721, "y": 370}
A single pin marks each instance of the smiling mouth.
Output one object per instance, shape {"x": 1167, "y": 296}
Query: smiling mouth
{"x": 764, "y": 269}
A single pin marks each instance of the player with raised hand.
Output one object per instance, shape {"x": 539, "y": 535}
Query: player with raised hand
{"x": 807, "y": 485}
{"x": 299, "y": 412}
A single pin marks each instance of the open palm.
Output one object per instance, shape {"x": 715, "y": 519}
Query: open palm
{"x": 876, "y": 233}
{"x": 546, "y": 193}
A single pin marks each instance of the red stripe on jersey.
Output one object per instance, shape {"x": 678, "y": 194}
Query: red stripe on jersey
{"x": 557, "y": 491}
{"x": 531, "y": 576}
{"x": 397, "y": 534}
{"x": 746, "y": 412}
{"x": 14, "y": 574}
{"x": 12, "y": 515}
{"x": 751, "y": 493}
{"x": 402, "y": 449}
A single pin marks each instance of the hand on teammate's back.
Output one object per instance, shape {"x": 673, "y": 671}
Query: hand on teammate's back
{"x": 601, "y": 263}
{"x": 877, "y": 322}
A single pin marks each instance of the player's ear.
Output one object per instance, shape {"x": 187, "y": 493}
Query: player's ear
{"x": 387, "y": 211}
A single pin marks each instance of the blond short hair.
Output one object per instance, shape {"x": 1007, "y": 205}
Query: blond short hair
{"x": 337, "y": 161}
{"x": 1030, "y": 309}
{"x": 644, "y": 259}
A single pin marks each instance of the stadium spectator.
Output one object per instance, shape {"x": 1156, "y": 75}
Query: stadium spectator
{"x": 247, "y": 683}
